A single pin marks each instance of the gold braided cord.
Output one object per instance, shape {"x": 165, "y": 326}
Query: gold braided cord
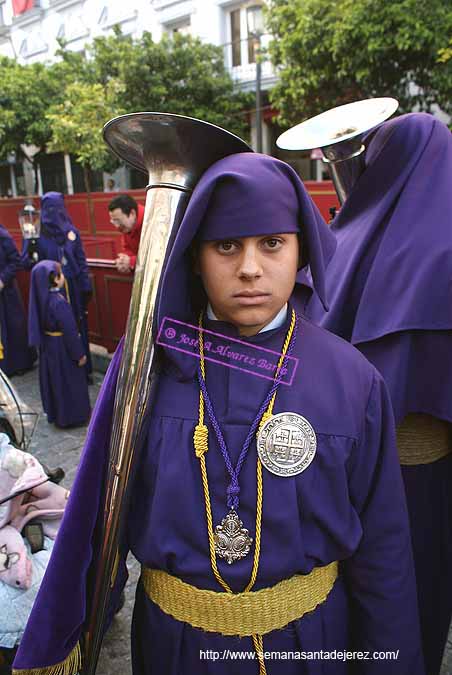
{"x": 259, "y": 649}
{"x": 200, "y": 440}
{"x": 213, "y": 556}
{"x": 2, "y": 353}
{"x": 53, "y": 333}
{"x": 71, "y": 665}
{"x": 257, "y": 542}
{"x": 245, "y": 614}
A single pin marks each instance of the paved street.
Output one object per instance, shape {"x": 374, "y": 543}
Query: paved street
{"x": 57, "y": 447}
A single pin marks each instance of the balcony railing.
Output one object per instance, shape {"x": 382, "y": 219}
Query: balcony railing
{"x": 245, "y": 71}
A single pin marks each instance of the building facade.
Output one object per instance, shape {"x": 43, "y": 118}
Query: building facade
{"x": 30, "y": 29}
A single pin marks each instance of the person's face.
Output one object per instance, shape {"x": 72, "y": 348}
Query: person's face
{"x": 248, "y": 280}
{"x": 59, "y": 278}
{"x": 123, "y": 222}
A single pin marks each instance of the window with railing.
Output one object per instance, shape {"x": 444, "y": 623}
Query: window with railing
{"x": 241, "y": 46}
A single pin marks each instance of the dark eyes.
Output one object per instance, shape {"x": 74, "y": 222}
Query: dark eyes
{"x": 227, "y": 246}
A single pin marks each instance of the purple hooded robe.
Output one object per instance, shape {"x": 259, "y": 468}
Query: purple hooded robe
{"x": 60, "y": 241}
{"x": 63, "y": 385}
{"x": 390, "y": 291}
{"x": 17, "y": 355}
{"x": 348, "y": 505}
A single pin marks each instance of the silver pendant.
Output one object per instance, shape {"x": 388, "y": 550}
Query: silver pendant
{"x": 232, "y": 541}
{"x": 286, "y": 444}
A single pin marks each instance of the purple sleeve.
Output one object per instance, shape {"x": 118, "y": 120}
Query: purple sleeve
{"x": 67, "y": 325}
{"x": 12, "y": 256}
{"x": 25, "y": 261}
{"x": 57, "y": 620}
{"x": 380, "y": 574}
{"x": 83, "y": 276}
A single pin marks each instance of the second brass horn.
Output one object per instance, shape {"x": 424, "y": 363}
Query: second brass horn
{"x": 339, "y": 133}
{"x": 174, "y": 151}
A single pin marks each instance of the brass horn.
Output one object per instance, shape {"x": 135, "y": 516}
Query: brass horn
{"x": 174, "y": 151}
{"x": 339, "y": 133}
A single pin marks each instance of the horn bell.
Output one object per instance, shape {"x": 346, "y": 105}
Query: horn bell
{"x": 173, "y": 150}
{"x": 339, "y": 133}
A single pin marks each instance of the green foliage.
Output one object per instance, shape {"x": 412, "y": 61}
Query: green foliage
{"x": 445, "y": 53}
{"x": 179, "y": 75}
{"x": 63, "y": 106}
{"x": 330, "y": 53}
{"x": 77, "y": 121}
{"x": 24, "y": 96}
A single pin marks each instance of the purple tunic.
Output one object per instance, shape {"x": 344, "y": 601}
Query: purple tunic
{"x": 64, "y": 390}
{"x": 389, "y": 286}
{"x": 348, "y": 505}
{"x": 17, "y": 355}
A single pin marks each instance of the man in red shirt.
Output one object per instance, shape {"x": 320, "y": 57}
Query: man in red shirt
{"x": 127, "y": 216}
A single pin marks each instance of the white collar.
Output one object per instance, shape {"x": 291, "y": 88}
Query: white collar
{"x": 274, "y": 323}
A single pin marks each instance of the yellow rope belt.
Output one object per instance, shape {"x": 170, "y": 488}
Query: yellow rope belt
{"x": 423, "y": 439}
{"x": 54, "y": 333}
{"x": 248, "y": 613}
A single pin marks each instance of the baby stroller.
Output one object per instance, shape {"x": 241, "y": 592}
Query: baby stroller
{"x": 31, "y": 507}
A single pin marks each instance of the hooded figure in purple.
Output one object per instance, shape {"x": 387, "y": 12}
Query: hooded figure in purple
{"x": 15, "y": 354}
{"x": 236, "y": 257}
{"x": 52, "y": 328}
{"x": 390, "y": 291}
{"x": 60, "y": 241}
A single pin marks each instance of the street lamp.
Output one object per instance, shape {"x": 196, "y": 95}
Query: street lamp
{"x": 255, "y": 21}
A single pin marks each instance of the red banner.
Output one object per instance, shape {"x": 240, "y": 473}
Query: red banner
{"x": 21, "y": 6}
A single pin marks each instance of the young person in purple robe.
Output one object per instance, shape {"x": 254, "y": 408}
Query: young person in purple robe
{"x": 390, "y": 291}
{"x": 52, "y": 328}
{"x": 60, "y": 241}
{"x": 15, "y": 354}
{"x": 329, "y": 565}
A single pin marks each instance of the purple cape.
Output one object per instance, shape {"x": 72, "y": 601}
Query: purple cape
{"x": 17, "y": 356}
{"x": 63, "y": 385}
{"x": 54, "y": 217}
{"x": 390, "y": 291}
{"x": 60, "y": 240}
{"x": 39, "y": 299}
{"x": 392, "y": 271}
{"x": 347, "y": 506}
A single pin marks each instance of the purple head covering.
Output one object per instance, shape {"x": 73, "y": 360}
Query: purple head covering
{"x": 39, "y": 296}
{"x": 244, "y": 195}
{"x": 393, "y": 267}
{"x": 54, "y": 216}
